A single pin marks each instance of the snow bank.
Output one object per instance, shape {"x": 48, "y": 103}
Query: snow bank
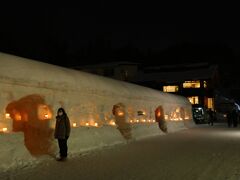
{"x": 13, "y": 153}
{"x": 83, "y": 139}
{"x": 31, "y": 92}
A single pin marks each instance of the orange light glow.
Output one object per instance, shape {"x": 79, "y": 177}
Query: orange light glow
{"x": 158, "y": 114}
{"x": 149, "y": 120}
{"x": 7, "y": 116}
{"x": 113, "y": 123}
{"x": 87, "y": 124}
{"x": 4, "y": 129}
{"x": 120, "y": 113}
{"x": 18, "y": 117}
{"x": 44, "y": 112}
{"x": 74, "y": 124}
{"x": 137, "y": 120}
{"x": 96, "y": 124}
{"x": 154, "y": 121}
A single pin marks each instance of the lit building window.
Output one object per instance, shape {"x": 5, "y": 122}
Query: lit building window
{"x": 191, "y": 84}
{"x": 193, "y": 100}
{"x": 210, "y": 103}
{"x": 170, "y": 88}
{"x": 205, "y": 84}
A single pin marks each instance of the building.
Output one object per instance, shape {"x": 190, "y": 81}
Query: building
{"x": 201, "y": 83}
{"x": 198, "y": 82}
{"x": 120, "y": 70}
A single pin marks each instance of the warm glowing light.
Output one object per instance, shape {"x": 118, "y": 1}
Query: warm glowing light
{"x": 87, "y": 124}
{"x": 166, "y": 117}
{"x": 44, "y": 112}
{"x": 7, "y": 116}
{"x": 120, "y": 113}
{"x": 112, "y": 123}
{"x": 186, "y": 117}
{"x": 154, "y": 121}
{"x": 191, "y": 84}
{"x": 137, "y": 120}
{"x": 149, "y": 120}
{"x": 96, "y": 124}
{"x": 210, "y": 103}
{"x": 144, "y": 120}
{"x": 170, "y": 88}
{"x": 4, "y": 129}
{"x": 193, "y": 99}
{"x": 18, "y": 117}
{"x": 131, "y": 121}
{"x": 74, "y": 124}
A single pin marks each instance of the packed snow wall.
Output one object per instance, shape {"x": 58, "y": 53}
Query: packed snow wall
{"x": 102, "y": 111}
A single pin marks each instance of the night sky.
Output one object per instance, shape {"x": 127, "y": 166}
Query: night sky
{"x": 120, "y": 32}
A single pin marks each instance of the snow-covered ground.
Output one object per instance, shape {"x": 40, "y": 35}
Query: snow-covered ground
{"x": 14, "y": 154}
{"x": 201, "y": 153}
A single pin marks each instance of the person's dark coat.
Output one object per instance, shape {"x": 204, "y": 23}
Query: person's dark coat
{"x": 62, "y": 128}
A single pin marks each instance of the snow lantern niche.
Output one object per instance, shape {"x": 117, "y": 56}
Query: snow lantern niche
{"x": 32, "y": 116}
{"x": 178, "y": 114}
{"x": 119, "y": 112}
{"x": 160, "y": 118}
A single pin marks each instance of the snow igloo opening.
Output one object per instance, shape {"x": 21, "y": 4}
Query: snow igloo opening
{"x": 32, "y": 116}
{"x": 119, "y": 112}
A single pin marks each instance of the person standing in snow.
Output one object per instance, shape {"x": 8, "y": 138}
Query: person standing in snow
{"x": 62, "y": 132}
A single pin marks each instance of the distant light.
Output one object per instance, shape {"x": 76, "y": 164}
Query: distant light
{"x": 144, "y": 120}
{"x": 131, "y": 121}
{"x": 74, "y": 124}
{"x": 4, "y": 129}
{"x": 7, "y": 116}
{"x": 46, "y": 115}
{"x": 87, "y": 124}
{"x": 137, "y": 120}
{"x": 154, "y": 121}
{"x": 96, "y": 124}
{"x": 149, "y": 120}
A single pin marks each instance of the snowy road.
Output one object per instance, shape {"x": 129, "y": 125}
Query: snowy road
{"x": 202, "y": 153}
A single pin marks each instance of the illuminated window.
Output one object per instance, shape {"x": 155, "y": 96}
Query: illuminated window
{"x": 193, "y": 100}
{"x": 191, "y": 84}
{"x": 205, "y": 84}
{"x": 170, "y": 88}
{"x": 210, "y": 103}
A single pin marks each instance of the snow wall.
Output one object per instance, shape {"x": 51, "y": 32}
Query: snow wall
{"x": 102, "y": 111}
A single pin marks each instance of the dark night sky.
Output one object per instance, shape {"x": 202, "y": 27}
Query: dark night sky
{"x": 114, "y": 31}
